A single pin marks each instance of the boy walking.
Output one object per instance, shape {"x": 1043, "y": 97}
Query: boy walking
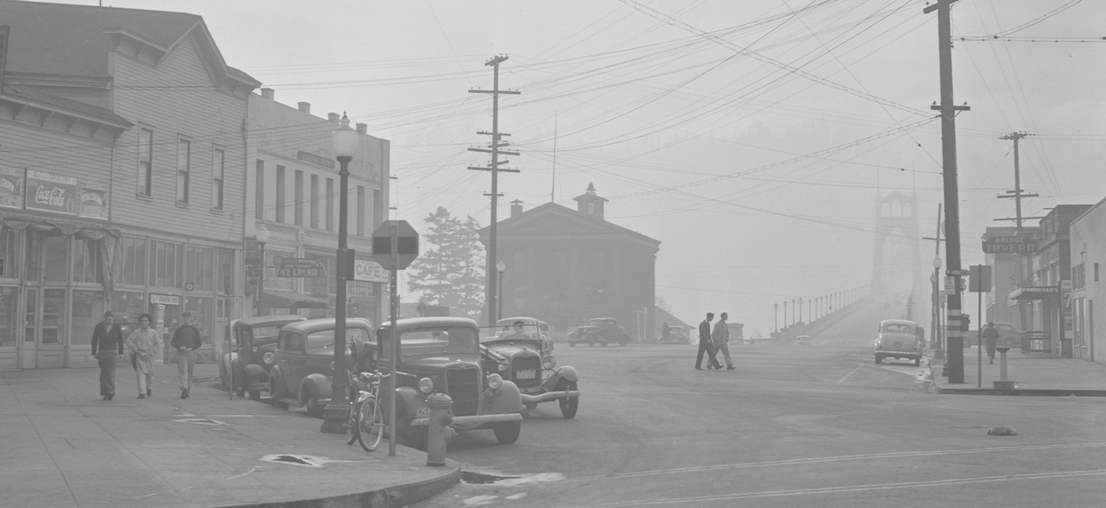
{"x": 108, "y": 338}
{"x": 186, "y": 340}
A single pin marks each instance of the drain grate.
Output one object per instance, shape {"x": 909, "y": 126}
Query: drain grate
{"x": 482, "y": 478}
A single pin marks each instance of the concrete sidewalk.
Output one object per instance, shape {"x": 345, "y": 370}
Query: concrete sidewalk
{"x": 62, "y": 446}
{"x": 1034, "y": 374}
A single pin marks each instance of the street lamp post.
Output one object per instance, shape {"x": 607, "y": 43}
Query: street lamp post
{"x": 262, "y": 237}
{"x": 344, "y": 142}
{"x": 939, "y": 350}
{"x": 500, "y": 267}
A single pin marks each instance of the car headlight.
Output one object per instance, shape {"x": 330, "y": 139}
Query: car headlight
{"x": 504, "y": 366}
{"x": 426, "y": 385}
{"x": 495, "y": 381}
{"x": 548, "y": 362}
{"x": 268, "y": 358}
{"x": 254, "y": 350}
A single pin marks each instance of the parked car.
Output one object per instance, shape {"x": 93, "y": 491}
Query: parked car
{"x": 252, "y": 354}
{"x": 304, "y": 370}
{"x": 442, "y": 354}
{"x": 1008, "y": 336}
{"x": 899, "y": 339}
{"x": 599, "y": 331}
{"x": 519, "y": 355}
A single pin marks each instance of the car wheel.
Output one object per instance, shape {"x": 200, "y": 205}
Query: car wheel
{"x": 314, "y": 408}
{"x": 879, "y": 359}
{"x": 571, "y": 404}
{"x": 507, "y": 432}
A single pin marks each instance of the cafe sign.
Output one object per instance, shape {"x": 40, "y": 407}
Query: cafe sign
{"x": 369, "y": 271}
{"x": 51, "y": 193}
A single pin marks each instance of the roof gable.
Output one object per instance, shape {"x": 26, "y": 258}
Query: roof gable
{"x": 553, "y": 220}
{"x": 75, "y": 40}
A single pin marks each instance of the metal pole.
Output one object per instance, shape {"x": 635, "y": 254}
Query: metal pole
{"x": 979, "y": 338}
{"x": 393, "y": 279}
{"x": 337, "y": 411}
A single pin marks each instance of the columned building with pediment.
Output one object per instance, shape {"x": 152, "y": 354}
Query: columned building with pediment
{"x": 566, "y": 266}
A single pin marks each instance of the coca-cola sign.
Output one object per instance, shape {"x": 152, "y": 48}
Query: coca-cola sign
{"x": 51, "y": 193}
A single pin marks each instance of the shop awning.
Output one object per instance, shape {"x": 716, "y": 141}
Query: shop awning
{"x": 291, "y": 301}
{"x": 1030, "y": 293}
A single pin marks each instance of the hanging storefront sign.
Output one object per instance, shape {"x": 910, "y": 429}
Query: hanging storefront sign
{"x": 51, "y": 193}
{"x": 11, "y": 188}
{"x": 164, "y": 299}
{"x": 94, "y": 202}
{"x": 368, "y": 270}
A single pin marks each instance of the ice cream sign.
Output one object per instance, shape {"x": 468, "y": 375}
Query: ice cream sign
{"x": 51, "y": 193}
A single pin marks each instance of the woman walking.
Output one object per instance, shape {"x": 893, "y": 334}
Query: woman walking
{"x": 143, "y": 343}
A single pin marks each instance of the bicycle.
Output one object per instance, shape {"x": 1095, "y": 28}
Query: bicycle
{"x": 366, "y": 419}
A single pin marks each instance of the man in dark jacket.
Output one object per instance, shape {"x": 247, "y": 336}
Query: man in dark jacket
{"x": 186, "y": 340}
{"x": 990, "y": 338}
{"x": 706, "y": 346}
{"x": 108, "y": 338}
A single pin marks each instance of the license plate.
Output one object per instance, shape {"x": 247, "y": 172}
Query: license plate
{"x": 422, "y": 412}
{"x": 527, "y": 374}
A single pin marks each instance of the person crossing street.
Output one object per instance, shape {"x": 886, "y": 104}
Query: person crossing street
{"x": 705, "y": 345}
{"x": 721, "y": 338}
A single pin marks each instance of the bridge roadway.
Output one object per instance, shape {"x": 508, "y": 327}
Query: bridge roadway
{"x": 817, "y": 425}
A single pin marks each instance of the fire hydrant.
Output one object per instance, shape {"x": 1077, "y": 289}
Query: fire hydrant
{"x": 440, "y": 418}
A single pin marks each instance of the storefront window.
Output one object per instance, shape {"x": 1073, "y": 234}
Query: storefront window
{"x": 9, "y": 299}
{"x": 199, "y": 263}
{"x": 53, "y": 315}
{"x": 225, "y": 274}
{"x": 87, "y": 261}
{"x": 56, "y": 254}
{"x": 88, "y": 309}
{"x": 132, "y": 264}
{"x": 9, "y": 240}
{"x": 165, "y": 263}
{"x": 127, "y": 306}
{"x": 201, "y": 308}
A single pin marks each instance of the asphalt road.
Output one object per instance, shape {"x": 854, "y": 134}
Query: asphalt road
{"x": 816, "y": 425}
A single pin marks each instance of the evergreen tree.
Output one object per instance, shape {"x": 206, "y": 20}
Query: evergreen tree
{"x": 450, "y": 269}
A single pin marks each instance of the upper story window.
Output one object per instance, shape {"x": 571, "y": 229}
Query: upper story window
{"x": 314, "y": 205}
{"x": 259, "y": 191}
{"x": 279, "y": 193}
{"x": 218, "y": 173}
{"x": 184, "y": 169}
{"x": 145, "y": 161}
{"x": 297, "y": 189}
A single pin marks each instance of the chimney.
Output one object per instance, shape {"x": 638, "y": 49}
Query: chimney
{"x": 334, "y": 117}
{"x": 516, "y": 208}
{"x": 362, "y": 128}
{"x": 305, "y": 107}
{"x": 267, "y": 93}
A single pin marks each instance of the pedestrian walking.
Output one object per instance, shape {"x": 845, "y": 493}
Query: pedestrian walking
{"x": 108, "y": 338}
{"x": 990, "y": 337}
{"x": 143, "y": 343}
{"x": 186, "y": 340}
{"x": 705, "y": 346}
{"x": 721, "y": 338}
{"x": 666, "y": 332}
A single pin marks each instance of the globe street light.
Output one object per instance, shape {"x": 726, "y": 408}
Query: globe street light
{"x": 344, "y": 142}
{"x": 500, "y": 267}
{"x": 262, "y": 237}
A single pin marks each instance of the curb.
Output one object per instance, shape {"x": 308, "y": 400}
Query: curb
{"x": 387, "y": 497}
{"x": 1026, "y": 392}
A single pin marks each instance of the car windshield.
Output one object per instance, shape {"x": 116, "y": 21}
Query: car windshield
{"x": 517, "y": 330}
{"x": 433, "y": 341}
{"x": 325, "y": 338}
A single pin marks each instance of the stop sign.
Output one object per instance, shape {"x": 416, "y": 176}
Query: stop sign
{"x": 407, "y": 244}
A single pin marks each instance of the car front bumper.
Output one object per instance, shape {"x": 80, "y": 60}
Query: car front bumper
{"x": 548, "y": 396}
{"x": 471, "y": 422}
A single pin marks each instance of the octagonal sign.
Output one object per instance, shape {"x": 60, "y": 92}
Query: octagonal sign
{"x": 407, "y": 244}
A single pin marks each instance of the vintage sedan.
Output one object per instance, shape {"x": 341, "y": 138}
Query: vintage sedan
{"x": 599, "y": 331}
{"x": 304, "y": 370}
{"x": 442, "y": 354}
{"x": 518, "y": 354}
{"x": 252, "y": 355}
{"x": 899, "y": 339}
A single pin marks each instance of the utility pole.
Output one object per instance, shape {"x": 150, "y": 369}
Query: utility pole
{"x": 494, "y": 149}
{"x": 955, "y": 346}
{"x": 935, "y": 332}
{"x": 1017, "y": 193}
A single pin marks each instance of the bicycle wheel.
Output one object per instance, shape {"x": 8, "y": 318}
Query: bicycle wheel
{"x": 352, "y": 423}
{"x": 370, "y": 424}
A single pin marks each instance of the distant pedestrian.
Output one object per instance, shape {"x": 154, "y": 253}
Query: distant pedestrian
{"x": 143, "y": 343}
{"x": 186, "y": 340}
{"x": 665, "y": 332}
{"x": 108, "y": 338}
{"x": 721, "y": 338}
{"x": 705, "y": 345}
{"x": 990, "y": 337}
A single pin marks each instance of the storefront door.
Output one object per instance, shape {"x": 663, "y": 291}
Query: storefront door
{"x": 44, "y": 329}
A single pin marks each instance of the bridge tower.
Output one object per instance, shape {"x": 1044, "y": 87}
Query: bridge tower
{"x": 896, "y": 212}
